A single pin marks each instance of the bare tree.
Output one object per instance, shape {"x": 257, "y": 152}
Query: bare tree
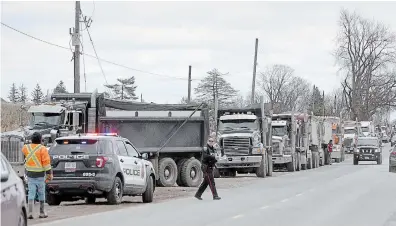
{"x": 279, "y": 84}
{"x": 366, "y": 51}
{"x": 215, "y": 84}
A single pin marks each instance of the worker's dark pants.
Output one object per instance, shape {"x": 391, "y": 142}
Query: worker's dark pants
{"x": 208, "y": 180}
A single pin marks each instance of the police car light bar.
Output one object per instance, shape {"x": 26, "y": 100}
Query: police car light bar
{"x": 102, "y": 134}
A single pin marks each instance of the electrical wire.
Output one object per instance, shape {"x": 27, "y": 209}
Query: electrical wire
{"x": 82, "y": 49}
{"x": 92, "y": 56}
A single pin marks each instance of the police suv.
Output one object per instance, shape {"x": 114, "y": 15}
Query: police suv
{"x": 90, "y": 166}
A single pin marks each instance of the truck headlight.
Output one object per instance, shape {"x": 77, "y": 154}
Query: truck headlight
{"x": 376, "y": 150}
{"x": 356, "y": 150}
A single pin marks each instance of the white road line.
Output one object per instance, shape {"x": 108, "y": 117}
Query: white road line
{"x": 264, "y": 207}
{"x": 299, "y": 194}
{"x": 285, "y": 200}
{"x": 237, "y": 216}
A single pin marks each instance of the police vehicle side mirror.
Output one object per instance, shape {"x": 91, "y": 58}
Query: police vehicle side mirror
{"x": 144, "y": 156}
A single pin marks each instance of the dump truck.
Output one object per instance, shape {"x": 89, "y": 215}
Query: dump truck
{"x": 350, "y": 135}
{"x": 295, "y": 138}
{"x": 332, "y": 130}
{"x": 243, "y": 135}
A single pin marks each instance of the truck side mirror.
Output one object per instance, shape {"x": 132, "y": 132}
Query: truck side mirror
{"x": 145, "y": 156}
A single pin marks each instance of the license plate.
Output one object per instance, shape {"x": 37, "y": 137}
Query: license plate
{"x": 70, "y": 167}
{"x": 366, "y": 157}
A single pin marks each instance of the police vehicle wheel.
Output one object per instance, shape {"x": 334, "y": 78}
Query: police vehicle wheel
{"x": 114, "y": 197}
{"x": 22, "y": 221}
{"x": 147, "y": 196}
{"x": 167, "y": 172}
{"x": 90, "y": 200}
{"x": 53, "y": 200}
{"x": 179, "y": 168}
{"x": 191, "y": 173}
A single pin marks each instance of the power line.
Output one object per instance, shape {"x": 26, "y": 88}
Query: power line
{"x": 96, "y": 54}
{"x": 92, "y": 56}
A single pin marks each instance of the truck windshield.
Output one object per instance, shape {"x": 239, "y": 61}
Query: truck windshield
{"x": 279, "y": 131}
{"x": 233, "y": 124}
{"x": 349, "y": 131}
{"x": 45, "y": 119}
{"x": 365, "y": 129}
{"x": 368, "y": 142}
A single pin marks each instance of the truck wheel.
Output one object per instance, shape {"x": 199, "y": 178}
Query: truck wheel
{"x": 298, "y": 164}
{"x": 191, "y": 173}
{"x": 216, "y": 173}
{"x": 309, "y": 162}
{"x": 291, "y": 166}
{"x": 270, "y": 167}
{"x": 379, "y": 161}
{"x": 179, "y": 168}
{"x": 167, "y": 172}
{"x": 355, "y": 161}
{"x": 53, "y": 200}
{"x": 338, "y": 160}
{"x": 261, "y": 171}
{"x": 114, "y": 197}
{"x": 148, "y": 195}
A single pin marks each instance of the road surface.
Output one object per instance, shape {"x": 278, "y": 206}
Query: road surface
{"x": 341, "y": 194}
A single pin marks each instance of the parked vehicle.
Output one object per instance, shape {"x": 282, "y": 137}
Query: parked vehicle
{"x": 367, "y": 149}
{"x": 367, "y": 128}
{"x": 13, "y": 202}
{"x": 244, "y": 138}
{"x": 332, "y": 130}
{"x": 393, "y": 141}
{"x": 351, "y": 132}
{"x": 392, "y": 161}
{"x": 94, "y": 166}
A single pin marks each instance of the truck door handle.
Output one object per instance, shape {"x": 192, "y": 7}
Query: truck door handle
{"x": 121, "y": 160}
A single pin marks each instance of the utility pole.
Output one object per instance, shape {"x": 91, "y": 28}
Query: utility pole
{"x": 76, "y": 43}
{"x": 254, "y": 72}
{"x": 324, "y": 111}
{"x": 189, "y": 85}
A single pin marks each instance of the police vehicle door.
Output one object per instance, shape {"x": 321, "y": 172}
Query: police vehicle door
{"x": 126, "y": 163}
{"x": 139, "y": 172}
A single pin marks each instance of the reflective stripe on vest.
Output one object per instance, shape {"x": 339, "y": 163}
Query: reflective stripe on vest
{"x": 32, "y": 156}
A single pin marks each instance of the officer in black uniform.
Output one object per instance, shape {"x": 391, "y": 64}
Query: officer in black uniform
{"x": 208, "y": 163}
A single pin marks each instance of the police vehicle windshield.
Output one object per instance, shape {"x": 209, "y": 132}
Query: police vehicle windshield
{"x": 75, "y": 146}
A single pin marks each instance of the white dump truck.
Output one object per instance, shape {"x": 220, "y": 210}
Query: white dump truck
{"x": 332, "y": 130}
{"x": 351, "y": 131}
{"x": 295, "y": 138}
{"x": 243, "y": 135}
{"x": 367, "y": 128}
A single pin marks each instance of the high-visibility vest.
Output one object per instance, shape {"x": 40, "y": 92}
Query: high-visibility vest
{"x": 36, "y": 158}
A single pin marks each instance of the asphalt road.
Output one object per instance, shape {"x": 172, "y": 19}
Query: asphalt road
{"x": 341, "y": 194}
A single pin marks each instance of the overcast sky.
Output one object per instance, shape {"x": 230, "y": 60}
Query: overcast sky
{"x": 165, "y": 37}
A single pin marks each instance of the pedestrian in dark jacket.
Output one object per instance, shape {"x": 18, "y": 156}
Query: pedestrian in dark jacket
{"x": 208, "y": 163}
{"x": 330, "y": 150}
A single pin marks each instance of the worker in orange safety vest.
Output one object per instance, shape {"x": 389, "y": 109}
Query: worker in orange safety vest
{"x": 38, "y": 170}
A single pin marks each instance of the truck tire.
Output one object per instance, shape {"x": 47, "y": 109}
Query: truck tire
{"x": 90, "y": 200}
{"x": 309, "y": 162}
{"x": 298, "y": 165}
{"x": 148, "y": 195}
{"x": 379, "y": 161}
{"x": 270, "y": 167}
{"x": 261, "y": 171}
{"x": 191, "y": 173}
{"x": 179, "y": 167}
{"x": 355, "y": 161}
{"x": 167, "y": 171}
{"x": 216, "y": 173}
{"x": 114, "y": 197}
{"x": 338, "y": 160}
{"x": 53, "y": 200}
{"x": 291, "y": 166}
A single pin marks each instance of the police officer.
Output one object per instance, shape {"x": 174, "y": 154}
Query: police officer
{"x": 38, "y": 169}
{"x": 208, "y": 162}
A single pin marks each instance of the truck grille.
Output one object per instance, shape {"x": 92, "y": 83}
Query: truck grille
{"x": 276, "y": 148}
{"x": 236, "y": 145}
